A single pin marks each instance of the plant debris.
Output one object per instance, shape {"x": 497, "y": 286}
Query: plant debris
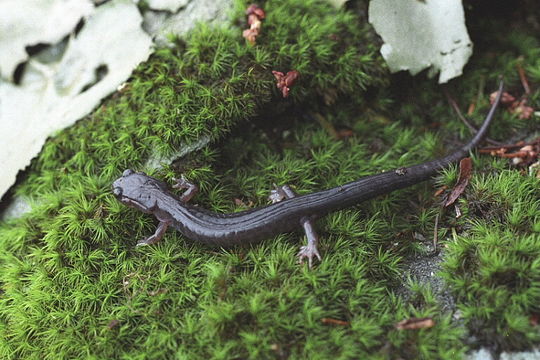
{"x": 465, "y": 172}
{"x": 464, "y": 119}
{"x": 255, "y": 16}
{"x": 415, "y": 323}
{"x": 526, "y": 154}
{"x": 284, "y": 82}
{"x": 513, "y": 105}
{"x": 334, "y": 322}
{"x": 113, "y": 323}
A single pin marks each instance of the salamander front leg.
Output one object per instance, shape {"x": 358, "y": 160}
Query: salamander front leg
{"x": 191, "y": 189}
{"x": 160, "y": 231}
{"x": 310, "y": 250}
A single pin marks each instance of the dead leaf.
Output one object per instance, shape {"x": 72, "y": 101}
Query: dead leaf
{"x": 113, "y": 323}
{"x": 255, "y": 15}
{"x": 526, "y": 155}
{"x": 157, "y": 292}
{"x": 521, "y": 109}
{"x": 285, "y": 81}
{"x": 239, "y": 202}
{"x": 534, "y": 319}
{"x": 506, "y": 98}
{"x": 440, "y": 191}
{"x": 415, "y": 323}
{"x": 334, "y": 322}
{"x": 465, "y": 172}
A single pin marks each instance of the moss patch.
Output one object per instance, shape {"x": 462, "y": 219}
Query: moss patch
{"x": 72, "y": 284}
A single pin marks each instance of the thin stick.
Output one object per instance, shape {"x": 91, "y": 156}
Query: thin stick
{"x": 436, "y": 233}
{"x": 523, "y": 77}
{"x": 464, "y": 119}
{"x": 488, "y": 149}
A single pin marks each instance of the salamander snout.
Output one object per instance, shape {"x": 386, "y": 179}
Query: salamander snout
{"x": 117, "y": 191}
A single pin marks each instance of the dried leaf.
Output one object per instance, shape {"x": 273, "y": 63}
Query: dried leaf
{"x": 526, "y": 155}
{"x": 521, "y": 109}
{"x": 440, "y": 191}
{"x": 534, "y": 319}
{"x": 415, "y": 323}
{"x": 465, "y": 172}
{"x": 506, "y": 98}
{"x": 334, "y": 322}
{"x": 255, "y": 15}
{"x": 285, "y": 81}
{"x": 113, "y": 323}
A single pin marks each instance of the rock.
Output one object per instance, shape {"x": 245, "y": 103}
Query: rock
{"x": 161, "y": 25}
{"x": 481, "y": 354}
{"x": 37, "y": 22}
{"x": 53, "y": 95}
{"x": 523, "y": 355}
{"x": 422, "y": 34}
{"x": 167, "y": 5}
{"x": 65, "y": 80}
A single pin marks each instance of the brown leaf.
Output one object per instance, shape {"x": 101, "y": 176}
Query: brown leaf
{"x": 157, "y": 292}
{"x": 344, "y": 132}
{"x": 255, "y": 15}
{"x": 334, "y": 322}
{"x": 534, "y": 319}
{"x": 506, "y": 98}
{"x": 285, "y": 81}
{"x": 440, "y": 191}
{"x": 524, "y": 155}
{"x": 256, "y": 10}
{"x": 415, "y": 323}
{"x": 239, "y": 202}
{"x": 521, "y": 109}
{"x": 113, "y": 323}
{"x": 465, "y": 172}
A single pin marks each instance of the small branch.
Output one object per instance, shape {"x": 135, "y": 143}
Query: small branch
{"x": 436, "y": 233}
{"x": 489, "y": 149}
{"x": 464, "y": 120}
{"x": 523, "y": 77}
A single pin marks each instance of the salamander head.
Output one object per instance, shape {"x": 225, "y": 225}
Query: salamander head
{"x": 138, "y": 190}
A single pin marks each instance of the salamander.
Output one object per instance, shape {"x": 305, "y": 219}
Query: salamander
{"x": 152, "y": 196}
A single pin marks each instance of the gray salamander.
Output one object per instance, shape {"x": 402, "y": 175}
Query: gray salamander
{"x": 152, "y": 196}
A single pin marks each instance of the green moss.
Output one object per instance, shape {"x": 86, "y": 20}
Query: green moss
{"x": 493, "y": 265}
{"x": 72, "y": 284}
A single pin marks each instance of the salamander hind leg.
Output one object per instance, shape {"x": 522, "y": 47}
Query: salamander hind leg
{"x": 191, "y": 189}
{"x": 158, "y": 235}
{"x": 309, "y": 251}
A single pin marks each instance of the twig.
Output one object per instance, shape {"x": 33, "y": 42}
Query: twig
{"x": 436, "y": 232}
{"x": 523, "y": 77}
{"x": 334, "y": 322}
{"x": 472, "y": 106}
{"x": 520, "y": 144}
{"x": 464, "y": 119}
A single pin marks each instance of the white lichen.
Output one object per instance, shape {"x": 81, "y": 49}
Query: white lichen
{"x": 420, "y": 34}
{"x": 31, "y": 22}
{"x": 54, "y": 94}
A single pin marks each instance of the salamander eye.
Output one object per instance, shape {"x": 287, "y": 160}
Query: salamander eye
{"x": 117, "y": 191}
{"x": 127, "y": 172}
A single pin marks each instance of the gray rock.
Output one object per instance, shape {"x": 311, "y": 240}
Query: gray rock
{"x": 38, "y": 21}
{"x": 160, "y": 25}
{"x": 422, "y": 34}
{"x": 68, "y": 78}
{"x": 481, "y": 354}
{"x": 523, "y": 355}
{"x": 58, "y": 88}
